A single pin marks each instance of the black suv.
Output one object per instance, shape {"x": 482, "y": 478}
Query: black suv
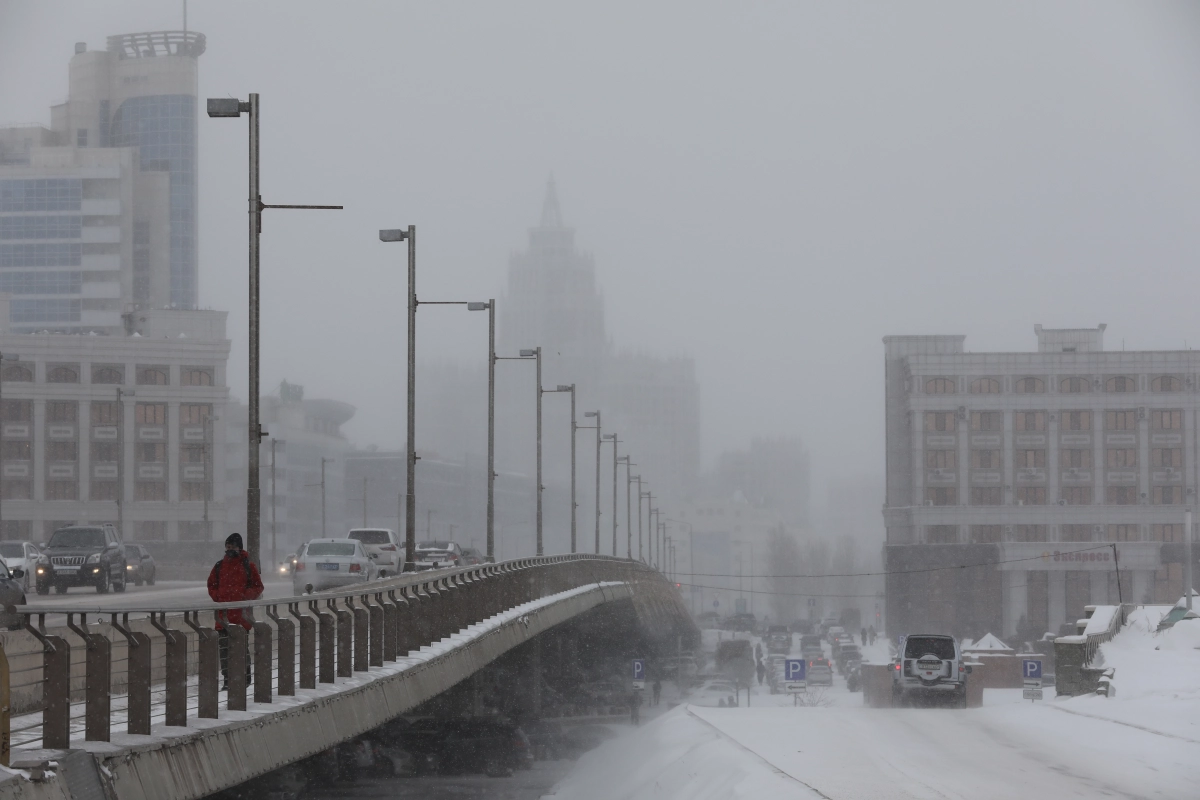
{"x": 82, "y": 555}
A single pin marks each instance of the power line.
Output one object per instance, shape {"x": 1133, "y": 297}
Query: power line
{"x": 895, "y": 571}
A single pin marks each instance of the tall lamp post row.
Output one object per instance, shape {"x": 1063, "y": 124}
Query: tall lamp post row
{"x": 233, "y": 107}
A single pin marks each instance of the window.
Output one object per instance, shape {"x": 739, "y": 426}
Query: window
{"x": 16, "y": 490}
{"x": 1030, "y": 420}
{"x": 941, "y": 534}
{"x": 1031, "y": 459}
{"x": 105, "y": 452}
{"x": 1121, "y": 495}
{"x": 986, "y": 420}
{"x": 1167, "y": 533}
{"x": 81, "y": 137}
{"x": 1029, "y": 533}
{"x": 941, "y": 459}
{"x": 44, "y": 310}
{"x": 151, "y": 452}
{"x": 155, "y": 531}
{"x": 108, "y": 375}
{"x": 1167, "y": 495}
{"x": 1120, "y": 420}
{"x": 1076, "y": 533}
{"x": 61, "y": 490}
{"x": 1124, "y": 533}
{"x": 62, "y": 451}
{"x": 104, "y": 412}
{"x": 62, "y": 411}
{"x": 150, "y": 413}
{"x": 1166, "y": 383}
{"x": 18, "y": 374}
{"x": 39, "y": 227}
{"x": 986, "y": 534}
{"x": 16, "y": 410}
{"x": 1031, "y": 495}
{"x": 941, "y": 495}
{"x": 1077, "y": 459}
{"x": 192, "y": 454}
{"x": 150, "y": 490}
{"x": 939, "y": 421}
{"x": 62, "y": 375}
{"x": 1121, "y": 384}
{"x": 194, "y": 413}
{"x": 1030, "y": 386}
{"x": 1074, "y": 385}
{"x": 103, "y": 490}
{"x": 17, "y": 451}
{"x": 986, "y": 495}
{"x": 153, "y": 376}
{"x": 1119, "y": 458}
{"x": 939, "y": 386}
{"x": 985, "y": 386}
{"x": 1166, "y": 420}
{"x": 41, "y": 194}
{"x": 1077, "y": 495}
{"x": 196, "y": 376}
{"x": 192, "y": 490}
{"x": 985, "y": 459}
{"x": 1077, "y": 420}
{"x": 1166, "y": 457}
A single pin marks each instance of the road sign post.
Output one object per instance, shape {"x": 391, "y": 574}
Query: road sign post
{"x": 639, "y": 673}
{"x": 795, "y": 677}
{"x": 1031, "y": 673}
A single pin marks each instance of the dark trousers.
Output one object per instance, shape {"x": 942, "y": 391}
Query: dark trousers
{"x": 223, "y": 650}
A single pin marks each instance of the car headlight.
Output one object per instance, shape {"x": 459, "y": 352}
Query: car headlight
{"x": 41, "y": 570}
{"x": 129, "y": 566}
{"x": 94, "y": 558}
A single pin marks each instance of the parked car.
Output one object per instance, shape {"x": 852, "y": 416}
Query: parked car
{"x": 472, "y": 557}
{"x": 834, "y": 632}
{"x": 930, "y": 668}
{"x": 82, "y": 555}
{"x": 715, "y": 694}
{"x": 383, "y": 545}
{"x": 140, "y": 566}
{"x": 819, "y": 672}
{"x": 23, "y": 556}
{"x": 436, "y": 555}
{"x": 332, "y": 563}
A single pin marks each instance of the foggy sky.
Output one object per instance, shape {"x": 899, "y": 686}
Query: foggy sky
{"x": 768, "y": 187}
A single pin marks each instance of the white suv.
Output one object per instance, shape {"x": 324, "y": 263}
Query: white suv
{"x": 383, "y": 546}
{"x": 930, "y": 666}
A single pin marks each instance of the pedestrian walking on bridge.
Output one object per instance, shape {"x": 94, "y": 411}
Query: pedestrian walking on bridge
{"x": 235, "y": 577}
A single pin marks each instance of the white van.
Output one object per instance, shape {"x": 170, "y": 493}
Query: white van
{"x": 383, "y": 546}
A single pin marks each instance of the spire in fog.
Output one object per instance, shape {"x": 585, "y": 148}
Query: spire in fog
{"x": 551, "y": 214}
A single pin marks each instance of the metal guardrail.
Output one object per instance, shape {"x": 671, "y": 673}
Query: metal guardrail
{"x": 303, "y": 642}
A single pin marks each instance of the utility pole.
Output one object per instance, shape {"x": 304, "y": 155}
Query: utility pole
{"x": 614, "y": 494}
{"x": 1187, "y": 559}
{"x": 324, "y": 533}
{"x": 491, "y": 442}
{"x": 364, "y": 501}
{"x": 628, "y": 511}
{"x": 596, "y": 414}
{"x": 274, "y": 506}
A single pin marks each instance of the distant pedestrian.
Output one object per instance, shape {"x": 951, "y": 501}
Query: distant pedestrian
{"x": 656, "y": 692}
{"x": 871, "y": 634}
{"x": 233, "y": 578}
{"x": 758, "y": 651}
{"x": 762, "y": 671}
{"x": 864, "y": 636}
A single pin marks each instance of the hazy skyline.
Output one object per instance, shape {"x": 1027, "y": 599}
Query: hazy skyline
{"x": 769, "y": 191}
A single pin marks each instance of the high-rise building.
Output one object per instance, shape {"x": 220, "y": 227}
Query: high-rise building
{"x": 98, "y": 211}
{"x": 1046, "y": 468}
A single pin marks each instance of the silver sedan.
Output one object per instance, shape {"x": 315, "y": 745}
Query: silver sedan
{"x": 332, "y": 564}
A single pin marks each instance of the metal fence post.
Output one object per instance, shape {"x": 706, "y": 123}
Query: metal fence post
{"x": 139, "y": 676}
{"x": 328, "y": 635}
{"x": 239, "y": 665}
{"x": 208, "y": 666}
{"x": 176, "y": 644}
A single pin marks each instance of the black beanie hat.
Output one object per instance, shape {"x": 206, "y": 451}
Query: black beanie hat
{"x": 234, "y": 539}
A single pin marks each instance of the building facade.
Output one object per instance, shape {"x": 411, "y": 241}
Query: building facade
{"x": 1050, "y": 468}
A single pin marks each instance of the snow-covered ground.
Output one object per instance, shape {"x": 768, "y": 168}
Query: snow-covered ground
{"x": 1144, "y": 742}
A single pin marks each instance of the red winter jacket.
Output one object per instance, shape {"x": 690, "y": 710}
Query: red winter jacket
{"x": 234, "y": 578}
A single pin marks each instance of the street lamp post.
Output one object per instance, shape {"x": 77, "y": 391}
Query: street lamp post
{"x": 641, "y": 494}
{"x": 3, "y": 417}
{"x": 596, "y": 414}
{"x": 232, "y": 107}
{"x": 274, "y": 507}
{"x": 534, "y": 354}
{"x": 628, "y": 512}
{"x": 121, "y": 394}
{"x": 569, "y": 388}
{"x": 614, "y": 439}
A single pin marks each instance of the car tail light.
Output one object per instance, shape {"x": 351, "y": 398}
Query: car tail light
{"x": 356, "y": 567}
{"x": 897, "y": 665}
{"x": 391, "y": 548}
{"x": 299, "y": 566}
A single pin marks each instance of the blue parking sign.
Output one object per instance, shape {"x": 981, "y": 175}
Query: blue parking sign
{"x": 794, "y": 669}
{"x": 639, "y": 669}
{"x": 1031, "y": 669}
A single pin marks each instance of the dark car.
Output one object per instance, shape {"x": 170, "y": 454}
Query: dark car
{"x": 82, "y": 555}
{"x": 139, "y": 565}
{"x": 471, "y": 557}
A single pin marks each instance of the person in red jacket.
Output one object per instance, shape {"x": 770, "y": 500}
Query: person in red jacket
{"x": 233, "y": 578}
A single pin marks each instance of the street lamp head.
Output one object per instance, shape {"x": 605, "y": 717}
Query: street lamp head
{"x": 226, "y": 107}
{"x": 392, "y": 234}
{"x": 591, "y": 413}
{"x": 564, "y": 387}
{"x": 477, "y": 306}
{"x": 609, "y": 436}
{"x": 529, "y": 353}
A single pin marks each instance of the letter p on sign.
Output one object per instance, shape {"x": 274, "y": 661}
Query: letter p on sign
{"x": 793, "y": 669}
{"x": 639, "y": 669}
{"x": 1032, "y": 670}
